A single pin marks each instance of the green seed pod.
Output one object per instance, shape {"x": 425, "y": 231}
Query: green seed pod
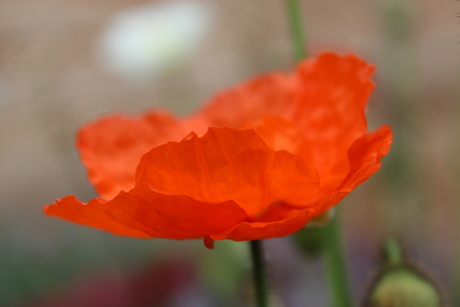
{"x": 401, "y": 284}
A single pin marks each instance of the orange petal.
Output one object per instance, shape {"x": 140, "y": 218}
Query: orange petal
{"x": 111, "y": 147}
{"x": 228, "y": 164}
{"x": 330, "y": 98}
{"x": 279, "y": 221}
{"x": 325, "y": 98}
{"x": 96, "y": 214}
{"x": 144, "y": 213}
{"x": 365, "y": 155}
{"x": 281, "y": 134}
{"x": 269, "y": 94}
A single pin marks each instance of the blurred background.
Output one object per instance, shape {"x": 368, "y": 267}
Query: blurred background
{"x": 63, "y": 63}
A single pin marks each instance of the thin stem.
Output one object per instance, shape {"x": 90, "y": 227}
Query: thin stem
{"x": 393, "y": 253}
{"x": 259, "y": 273}
{"x": 295, "y": 24}
{"x": 336, "y": 264}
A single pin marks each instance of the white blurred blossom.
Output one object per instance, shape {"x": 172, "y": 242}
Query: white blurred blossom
{"x": 155, "y": 39}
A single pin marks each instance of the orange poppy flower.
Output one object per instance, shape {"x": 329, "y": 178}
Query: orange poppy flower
{"x": 258, "y": 161}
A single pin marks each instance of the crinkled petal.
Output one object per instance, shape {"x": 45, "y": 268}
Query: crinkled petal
{"x": 365, "y": 155}
{"x": 144, "y": 213}
{"x": 269, "y": 94}
{"x": 330, "y": 99}
{"x": 111, "y": 147}
{"x": 96, "y": 214}
{"x": 229, "y": 164}
{"x": 280, "y": 220}
{"x": 325, "y": 98}
{"x": 281, "y": 134}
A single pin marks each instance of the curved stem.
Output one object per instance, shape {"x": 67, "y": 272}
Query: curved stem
{"x": 336, "y": 264}
{"x": 259, "y": 273}
{"x": 295, "y": 24}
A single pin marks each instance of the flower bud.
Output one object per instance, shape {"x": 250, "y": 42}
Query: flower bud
{"x": 401, "y": 284}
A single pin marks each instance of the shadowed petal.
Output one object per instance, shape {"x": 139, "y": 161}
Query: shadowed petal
{"x": 144, "y": 213}
{"x": 280, "y": 220}
{"x": 365, "y": 155}
{"x": 228, "y": 164}
{"x": 281, "y": 134}
{"x": 111, "y": 147}
{"x": 270, "y": 94}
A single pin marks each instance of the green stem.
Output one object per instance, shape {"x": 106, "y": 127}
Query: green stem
{"x": 259, "y": 273}
{"x": 392, "y": 252}
{"x": 336, "y": 264}
{"x": 295, "y": 24}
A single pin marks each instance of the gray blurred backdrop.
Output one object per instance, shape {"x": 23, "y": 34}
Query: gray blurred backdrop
{"x": 51, "y": 83}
